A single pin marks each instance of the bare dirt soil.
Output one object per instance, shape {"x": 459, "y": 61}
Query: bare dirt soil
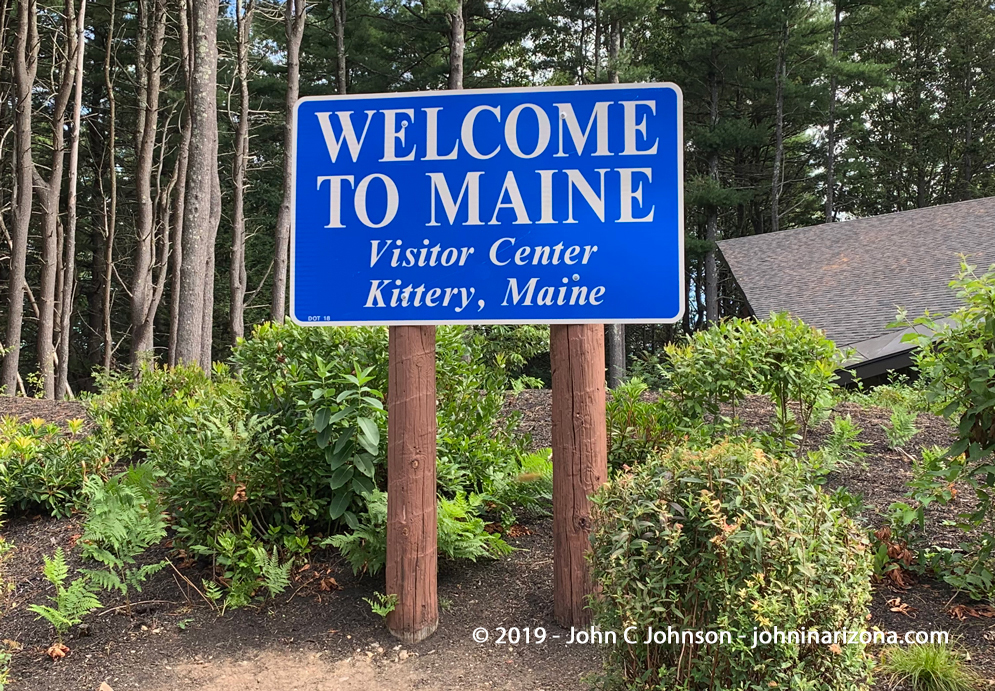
{"x": 321, "y": 635}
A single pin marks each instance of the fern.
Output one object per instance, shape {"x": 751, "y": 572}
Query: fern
{"x": 383, "y": 605}
{"x": 125, "y": 519}
{"x": 72, "y": 602}
{"x": 276, "y": 576}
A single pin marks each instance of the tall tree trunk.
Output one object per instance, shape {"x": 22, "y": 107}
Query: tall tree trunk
{"x": 614, "y": 44}
{"x": 615, "y": 332}
{"x": 198, "y": 213}
{"x": 457, "y": 46}
{"x": 110, "y": 217}
{"x": 50, "y": 194}
{"x": 69, "y": 245}
{"x": 777, "y": 178}
{"x": 236, "y": 312}
{"x": 342, "y": 72}
{"x": 152, "y": 26}
{"x": 294, "y": 17}
{"x": 25, "y": 68}
{"x": 831, "y": 129}
{"x": 712, "y": 221}
{"x": 179, "y": 204}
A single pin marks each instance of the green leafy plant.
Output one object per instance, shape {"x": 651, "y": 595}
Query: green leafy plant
{"x": 928, "y": 668}
{"x": 639, "y": 425}
{"x": 956, "y": 359}
{"x": 246, "y": 567}
{"x": 728, "y": 539}
{"x": 72, "y": 602}
{"x": 124, "y": 519}
{"x": 383, "y": 604}
{"x": 462, "y": 535}
{"x": 43, "y": 467}
{"x": 843, "y": 442}
{"x": 902, "y": 428}
{"x": 793, "y": 363}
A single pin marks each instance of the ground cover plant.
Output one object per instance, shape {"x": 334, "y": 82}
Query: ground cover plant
{"x": 929, "y": 667}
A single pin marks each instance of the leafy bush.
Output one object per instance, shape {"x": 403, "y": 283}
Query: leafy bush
{"x": 638, "y": 427}
{"x": 124, "y": 519}
{"x": 793, "y": 363}
{"x": 899, "y": 392}
{"x": 290, "y": 442}
{"x": 728, "y": 538}
{"x": 956, "y": 358}
{"x": 72, "y": 602}
{"x": 130, "y": 413}
{"x": 928, "y": 668}
{"x": 42, "y": 467}
{"x": 246, "y": 568}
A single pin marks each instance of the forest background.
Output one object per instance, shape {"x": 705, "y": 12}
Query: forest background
{"x": 143, "y": 143}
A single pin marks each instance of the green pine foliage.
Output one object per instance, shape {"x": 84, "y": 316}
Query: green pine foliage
{"x": 71, "y": 602}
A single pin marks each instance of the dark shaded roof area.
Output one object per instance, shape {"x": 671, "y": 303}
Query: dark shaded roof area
{"x": 849, "y": 278}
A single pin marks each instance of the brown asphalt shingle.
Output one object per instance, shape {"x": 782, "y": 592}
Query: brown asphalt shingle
{"x": 850, "y": 278}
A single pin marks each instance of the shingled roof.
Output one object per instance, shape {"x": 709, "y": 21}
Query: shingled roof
{"x": 850, "y": 278}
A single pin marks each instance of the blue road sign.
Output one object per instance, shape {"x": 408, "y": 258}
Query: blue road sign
{"x": 498, "y": 206}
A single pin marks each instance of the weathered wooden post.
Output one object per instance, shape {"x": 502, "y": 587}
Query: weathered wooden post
{"x": 580, "y": 460}
{"x": 412, "y": 514}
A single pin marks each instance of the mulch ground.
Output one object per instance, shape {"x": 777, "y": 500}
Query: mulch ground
{"x": 172, "y": 628}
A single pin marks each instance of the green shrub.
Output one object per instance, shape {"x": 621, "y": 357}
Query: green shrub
{"x": 124, "y": 519}
{"x": 638, "y": 427}
{"x": 130, "y": 413}
{"x": 728, "y": 539}
{"x": 793, "y": 363}
{"x": 43, "y": 467}
{"x": 928, "y": 668}
{"x": 956, "y": 359}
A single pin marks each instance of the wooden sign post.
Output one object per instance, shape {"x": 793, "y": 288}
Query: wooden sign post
{"x": 412, "y": 513}
{"x": 580, "y": 460}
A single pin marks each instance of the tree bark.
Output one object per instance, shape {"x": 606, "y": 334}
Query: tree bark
{"x": 457, "y": 46}
{"x": 182, "y": 164}
{"x": 777, "y": 181}
{"x": 201, "y": 182}
{"x": 69, "y": 245}
{"x": 111, "y": 214}
{"x": 50, "y": 194}
{"x": 25, "y": 68}
{"x": 580, "y": 461}
{"x": 712, "y": 221}
{"x": 152, "y": 26}
{"x": 342, "y": 72}
{"x": 616, "y": 355}
{"x": 294, "y": 19}
{"x": 236, "y": 273}
{"x": 831, "y": 129}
